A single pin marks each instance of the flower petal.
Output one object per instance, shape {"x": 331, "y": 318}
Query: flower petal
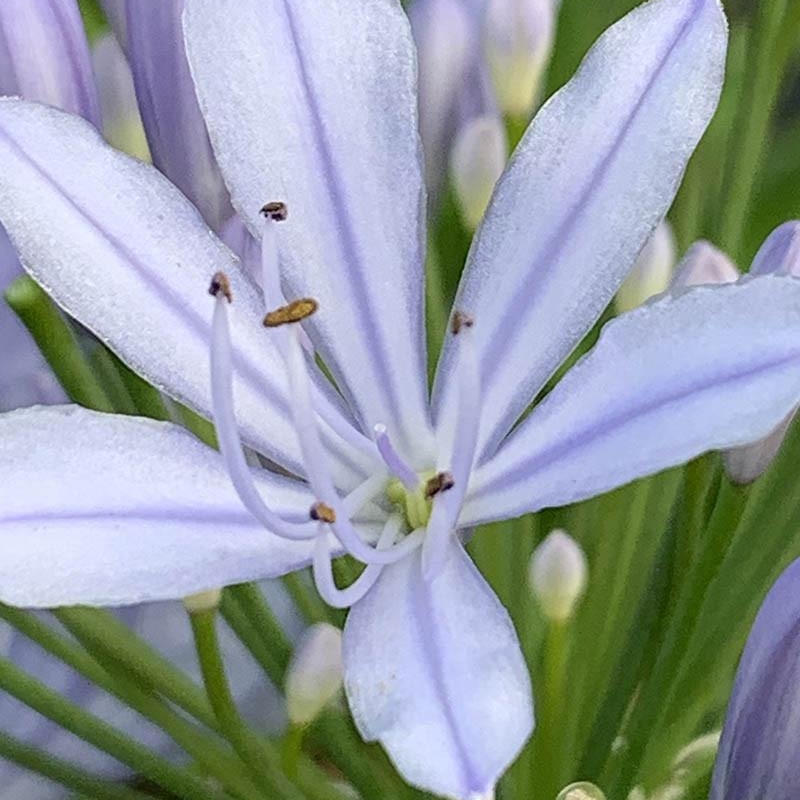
{"x": 101, "y": 509}
{"x": 44, "y": 56}
{"x": 780, "y": 253}
{"x": 175, "y": 129}
{"x": 125, "y": 253}
{"x": 433, "y": 671}
{"x": 596, "y": 171}
{"x": 314, "y": 104}
{"x": 757, "y": 756}
{"x": 709, "y": 369}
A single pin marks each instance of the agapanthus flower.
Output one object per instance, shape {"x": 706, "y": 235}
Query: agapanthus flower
{"x": 312, "y": 113}
{"x": 757, "y": 757}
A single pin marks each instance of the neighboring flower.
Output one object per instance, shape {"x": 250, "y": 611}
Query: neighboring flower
{"x": 311, "y": 109}
{"x": 757, "y": 758}
{"x": 705, "y": 264}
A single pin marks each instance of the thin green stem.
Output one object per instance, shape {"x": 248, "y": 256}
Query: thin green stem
{"x": 57, "y": 341}
{"x": 73, "y": 718}
{"x": 305, "y": 598}
{"x": 260, "y": 760}
{"x": 64, "y": 772}
{"x": 255, "y": 608}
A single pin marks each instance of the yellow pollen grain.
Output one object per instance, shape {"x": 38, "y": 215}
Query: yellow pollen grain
{"x": 295, "y": 311}
{"x": 321, "y": 512}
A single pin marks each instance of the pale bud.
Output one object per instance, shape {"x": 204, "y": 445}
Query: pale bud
{"x": 652, "y": 272}
{"x": 581, "y": 791}
{"x": 202, "y": 601}
{"x": 518, "y": 40}
{"x": 314, "y": 676}
{"x": 704, "y": 264}
{"x": 780, "y": 253}
{"x": 557, "y": 574}
{"x": 477, "y": 161}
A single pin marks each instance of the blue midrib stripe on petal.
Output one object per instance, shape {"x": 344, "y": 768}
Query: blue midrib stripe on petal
{"x": 540, "y": 272}
{"x": 585, "y": 437}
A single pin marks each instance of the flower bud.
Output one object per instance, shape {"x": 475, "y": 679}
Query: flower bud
{"x": 557, "y": 575}
{"x": 202, "y": 601}
{"x": 780, "y": 253}
{"x": 477, "y": 161}
{"x": 757, "y": 757}
{"x": 703, "y": 264}
{"x": 652, "y": 272}
{"x": 518, "y": 39}
{"x": 44, "y": 55}
{"x": 314, "y": 676}
{"x": 581, "y": 791}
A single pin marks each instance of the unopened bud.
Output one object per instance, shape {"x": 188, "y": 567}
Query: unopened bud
{"x": 780, "y": 253}
{"x": 652, "y": 272}
{"x": 518, "y": 41}
{"x": 581, "y": 791}
{"x": 477, "y": 161}
{"x": 314, "y": 676}
{"x": 557, "y": 575}
{"x": 202, "y": 601}
{"x": 704, "y": 264}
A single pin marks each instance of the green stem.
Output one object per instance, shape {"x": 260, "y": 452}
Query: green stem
{"x": 57, "y": 341}
{"x": 73, "y": 718}
{"x": 102, "y": 633}
{"x": 255, "y": 608}
{"x": 292, "y": 749}
{"x": 263, "y": 764}
{"x": 205, "y": 749}
{"x": 65, "y": 773}
{"x": 305, "y": 598}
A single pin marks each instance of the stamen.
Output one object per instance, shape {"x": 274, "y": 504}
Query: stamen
{"x": 322, "y": 513}
{"x": 275, "y": 210}
{"x": 230, "y": 444}
{"x": 446, "y": 507}
{"x": 315, "y": 462}
{"x": 220, "y": 283}
{"x": 295, "y": 311}
{"x": 394, "y": 460}
{"x": 363, "y": 493}
{"x": 323, "y": 570}
{"x": 460, "y": 320}
{"x": 441, "y": 482}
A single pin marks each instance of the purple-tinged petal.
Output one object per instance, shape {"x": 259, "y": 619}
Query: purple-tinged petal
{"x": 780, "y": 253}
{"x": 596, "y": 171}
{"x": 174, "y": 125}
{"x": 704, "y": 264}
{"x": 44, "y": 55}
{"x": 757, "y": 757}
{"x": 100, "y": 509}
{"x": 709, "y": 369}
{"x": 433, "y": 671}
{"x": 115, "y": 13}
{"x": 126, "y": 254}
{"x": 314, "y": 104}
{"x": 235, "y": 234}
{"x": 122, "y": 125}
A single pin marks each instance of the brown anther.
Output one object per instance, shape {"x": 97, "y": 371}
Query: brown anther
{"x": 320, "y": 512}
{"x": 275, "y": 210}
{"x": 460, "y": 320}
{"x": 439, "y": 483}
{"x": 295, "y": 311}
{"x": 221, "y": 284}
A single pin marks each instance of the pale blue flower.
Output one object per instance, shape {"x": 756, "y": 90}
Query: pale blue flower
{"x": 757, "y": 757}
{"x": 313, "y": 105}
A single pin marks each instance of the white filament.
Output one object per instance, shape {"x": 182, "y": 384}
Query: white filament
{"x": 397, "y": 465}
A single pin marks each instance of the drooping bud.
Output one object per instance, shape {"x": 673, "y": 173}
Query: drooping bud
{"x": 44, "y": 56}
{"x": 704, "y": 264}
{"x": 314, "y": 676}
{"x": 778, "y": 255}
{"x": 757, "y": 757}
{"x": 122, "y": 124}
{"x": 581, "y": 791}
{"x": 203, "y": 601}
{"x": 557, "y": 574}
{"x": 652, "y": 272}
{"x": 476, "y": 162}
{"x": 518, "y": 38}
